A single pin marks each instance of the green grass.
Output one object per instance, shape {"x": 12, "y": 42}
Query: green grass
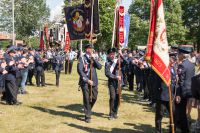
{"x": 59, "y": 110}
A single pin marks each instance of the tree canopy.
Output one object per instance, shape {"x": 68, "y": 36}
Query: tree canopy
{"x": 29, "y": 16}
{"x": 140, "y": 13}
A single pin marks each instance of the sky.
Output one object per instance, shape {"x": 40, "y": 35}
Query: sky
{"x": 56, "y": 6}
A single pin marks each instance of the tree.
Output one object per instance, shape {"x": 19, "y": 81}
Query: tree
{"x": 191, "y": 18}
{"x": 29, "y": 15}
{"x": 140, "y": 12}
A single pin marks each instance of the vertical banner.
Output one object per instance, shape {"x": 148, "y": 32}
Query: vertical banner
{"x": 67, "y": 42}
{"x": 126, "y": 29}
{"x": 41, "y": 40}
{"x": 88, "y": 12}
{"x": 96, "y": 18}
{"x": 76, "y": 21}
{"x": 121, "y": 26}
{"x": 157, "y": 47}
{"x": 116, "y": 34}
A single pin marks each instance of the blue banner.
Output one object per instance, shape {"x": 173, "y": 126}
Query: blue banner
{"x": 126, "y": 29}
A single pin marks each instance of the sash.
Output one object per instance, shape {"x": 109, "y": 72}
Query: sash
{"x": 113, "y": 65}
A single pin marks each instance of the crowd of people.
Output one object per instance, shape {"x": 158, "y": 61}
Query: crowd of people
{"x": 184, "y": 83}
{"x": 19, "y": 64}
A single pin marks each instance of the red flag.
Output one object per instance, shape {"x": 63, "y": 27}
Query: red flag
{"x": 121, "y": 25}
{"x": 157, "y": 47}
{"x": 67, "y": 42}
{"x": 41, "y": 40}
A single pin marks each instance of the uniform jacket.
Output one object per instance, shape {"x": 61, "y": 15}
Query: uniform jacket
{"x": 112, "y": 76}
{"x": 84, "y": 71}
{"x": 196, "y": 87}
{"x": 186, "y": 70}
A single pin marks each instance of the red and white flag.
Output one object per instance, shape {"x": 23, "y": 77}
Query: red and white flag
{"x": 157, "y": 46}
{"x": 67, "y": 42}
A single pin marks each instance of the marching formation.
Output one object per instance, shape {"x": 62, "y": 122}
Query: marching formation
{"x": 19, "y": 64}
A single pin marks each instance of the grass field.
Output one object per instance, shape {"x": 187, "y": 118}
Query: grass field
{"x": 59, "y": 110}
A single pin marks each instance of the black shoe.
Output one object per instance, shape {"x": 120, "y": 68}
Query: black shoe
{"x": 31, "y": 84}
{"x": 111, "y": 117}
{"x": 24, "y": 92}
{"x": 115, "y": 116}
{"x": 88, "y": 120}
{"x": 17, "y": 103}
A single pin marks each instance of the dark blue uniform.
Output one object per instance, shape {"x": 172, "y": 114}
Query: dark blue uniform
{"x": 186, "y": 70}
{"x": 39, "y": 64}
{"x": 130, "y": 72}
{"x": 162, "y": 98}
{"x": 10, "y": 82}
{"x": 59, "y": 60}
{"x": 111, "y": 72}
{"x": 84, "y": 71}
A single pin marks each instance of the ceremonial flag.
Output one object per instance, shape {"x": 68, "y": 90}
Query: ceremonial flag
{"x": 41, "y": 40}
{"x": 75, "y": 17}
{"x": 126, "y": 29}
{"x": 121, "y": 25}
{"x": 118, "y": 30}
{"x": 67, "y": 42}
{"x": 96, "y": 18}
{"x": 157, "y": 47}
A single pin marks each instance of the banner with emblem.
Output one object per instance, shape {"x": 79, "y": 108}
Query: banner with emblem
{"x": 121, "y": 25}
{"x": 157, "y": 48}
{"x": 75, "y": 17}
{"x": 41, "y": 40}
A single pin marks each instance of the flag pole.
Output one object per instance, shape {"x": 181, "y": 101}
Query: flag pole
{"x": 81, "y": 45}
{"x": 91, "y": 36}
{"x": 70, "y": 2}
{"x": 114, "y": 27}
{"x": 13, "y": 22}
{"x": 119, "y": 60}
{"x": 171, "y": 110}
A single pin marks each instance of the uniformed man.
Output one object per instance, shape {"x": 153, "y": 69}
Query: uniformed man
{"x": 130, "y": 71}
{"x": 86, "y": 68}
{"x": 39, "y": 64}
{"x": 186, "y": 70}
{"x": 59, "y": 60}
{"x": 111, "y": 72}
{"x": 70, "y": 56}
{"x": 10, "y": 79}
{"x": 31, "y": 67}
{"x": 162, "y": 96}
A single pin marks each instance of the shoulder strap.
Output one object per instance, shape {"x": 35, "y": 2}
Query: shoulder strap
{"x": 113, "y": 65}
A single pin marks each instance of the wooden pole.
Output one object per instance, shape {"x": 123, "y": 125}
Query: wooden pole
{"x": 171, "y": 110}
{"x": 91, "y": 35}
{"x": 119, "y": 74}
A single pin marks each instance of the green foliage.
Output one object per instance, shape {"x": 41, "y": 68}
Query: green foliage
{"x": 191, "y": 20}
{"x": 106, "y": 9}
{"x": 140, "y": 12}
{"x": 29, "y": 15}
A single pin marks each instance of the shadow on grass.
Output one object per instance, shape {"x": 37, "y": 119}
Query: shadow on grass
{"x": 134, "y": 99}
{"x": 144, "y": 128}
{"x": 49, "y": 84}
{"x": 79, "y": 108}
{"x": 136, "y": 129}
{"x": 59, "y": 113}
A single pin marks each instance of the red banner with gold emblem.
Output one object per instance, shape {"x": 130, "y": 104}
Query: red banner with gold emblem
{"x": 67, "y": 42}
{"x": 157, "y": 47}
{"x": 121, "y": 25}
